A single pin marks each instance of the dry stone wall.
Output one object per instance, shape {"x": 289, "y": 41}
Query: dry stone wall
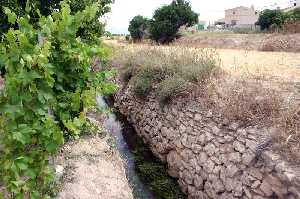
{"x": 211, "y": 157}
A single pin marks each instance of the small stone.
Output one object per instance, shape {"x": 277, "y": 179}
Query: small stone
{"x": 208, "y": 137}
{"x": 279, "y": 191}
{"x": 216, "y": 160}
{"x": 198, "y": 182}
{"x": 247, "y": 158}
{"x": 200, "y": 195}
{"x": 238, "y": 188}
{"x": 187, "y": 177}
{"x": 257, "y": 197}
{"x": 218, "y": 186}
{"x": 255, "y": 184}
{"x": 247, "y": 192}
{"x": 169, "y": 117}
{"x": 59, "y": 171}
{"x": 251, "y": 144}
{"x": 202, "y": 158}
{"x": 209, "y": 166}
{"x": 210, "y": 149}
{"x": 228, "y": 138}
{"x": 201, "y": 139}
{"x": 198, "y": 117}
{"x": 209, "y": 189}
{"x": 256, "y": 173}
{"x": 234, "y": 126}
{"x": 234, "y": 157}
{"x": 266, "y": 188}
{"x": 182, "y": 129}
{"x": 191, "y": 190}
{"x": 295, "y": 191}
{"x": 231, "y": 170}
{"x": 229, "y": 184}
{"x": 274, "y": 181}
{"x": 209, "y": 114}
{"x": 238, "y": 146}
{"x": 174, "y": 161}
{"x": 217, "y": 170}
{"x": 215, "y": 130}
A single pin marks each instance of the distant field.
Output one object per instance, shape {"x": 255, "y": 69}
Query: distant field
{"x": 229, "y": 40}
{"x": 283, "y": 65}
{"x": 274, "y": 65}
{"x": 209, "y": 34}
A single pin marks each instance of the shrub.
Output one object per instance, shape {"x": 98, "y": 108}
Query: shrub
{"x": 169, "y": 88}
{"x": 137, "y": 27}
{"x": 248, "y": 102}
{"x": 46, "y": 7}
{"x": 127, "y": 73}
{"x": 49, "y": 87}
{"x": 267, "y": 18}
{"x": 148, "y": 66}
{"x": 95, "y": 29}
{"x": 168, "y": 19}
{"x": 142, "y": 81}
{"x": 141, "y": 85}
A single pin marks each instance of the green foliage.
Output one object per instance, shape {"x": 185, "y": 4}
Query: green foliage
{"x": 267, "y": 18}
{"x": 18, "y": 7}
{"x": 168, "y": 19}
{"x": 142, "y": 81}
{"x": 137, "y": 27}
{"x": 95, "y": 28}
{"x": 50, "y": 84}
{"x": 46, "y": 7}
{"x": 154, "y": 173}
{"x": 293, "y": 15}
{"x": 169, "y": 88}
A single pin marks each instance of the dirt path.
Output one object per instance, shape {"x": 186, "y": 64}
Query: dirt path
{"x": 91, "y": 169}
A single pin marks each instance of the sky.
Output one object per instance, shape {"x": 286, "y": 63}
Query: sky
{"x": 210, "y": 10}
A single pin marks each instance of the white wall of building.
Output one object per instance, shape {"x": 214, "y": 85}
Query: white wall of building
{"x": 241, "y": 16}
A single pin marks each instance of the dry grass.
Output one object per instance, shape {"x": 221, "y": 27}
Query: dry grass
{"x": 254, "y": 87}
{"x": 248, "y": 102}
{"x": 273, "y": 66}
{"x": 171, "y": 68}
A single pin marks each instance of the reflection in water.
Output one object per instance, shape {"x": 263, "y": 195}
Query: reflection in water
{"x": 115, "y": 128}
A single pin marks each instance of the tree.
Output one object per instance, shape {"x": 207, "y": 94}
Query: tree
{"x": 89, "y": 32}
{"x": 293, "y": 15}
{"x": 95, "y": 29}
{"x": 46, "y": 7}
{"x": 137, "y": 27}
{"x": 268, "y": 18}
{"x": 18, "y": 7}
{"x": 168, "y": 19}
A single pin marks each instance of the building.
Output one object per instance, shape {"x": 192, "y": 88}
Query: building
{"x": 241, "y": 17}
{"x": 294, "y": 5}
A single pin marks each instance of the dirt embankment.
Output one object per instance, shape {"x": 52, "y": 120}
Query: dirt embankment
{"x": 261, "y": 42}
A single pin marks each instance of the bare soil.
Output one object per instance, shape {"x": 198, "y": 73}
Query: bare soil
{"x": 92, "y": 169}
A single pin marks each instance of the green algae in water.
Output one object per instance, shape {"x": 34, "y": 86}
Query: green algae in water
{"x": 154, "y": 174}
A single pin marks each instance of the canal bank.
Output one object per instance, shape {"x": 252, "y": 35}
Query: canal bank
{"x": 146, "y": 173}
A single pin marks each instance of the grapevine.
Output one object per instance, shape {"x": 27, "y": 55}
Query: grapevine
{"x": 49, "y": 87}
